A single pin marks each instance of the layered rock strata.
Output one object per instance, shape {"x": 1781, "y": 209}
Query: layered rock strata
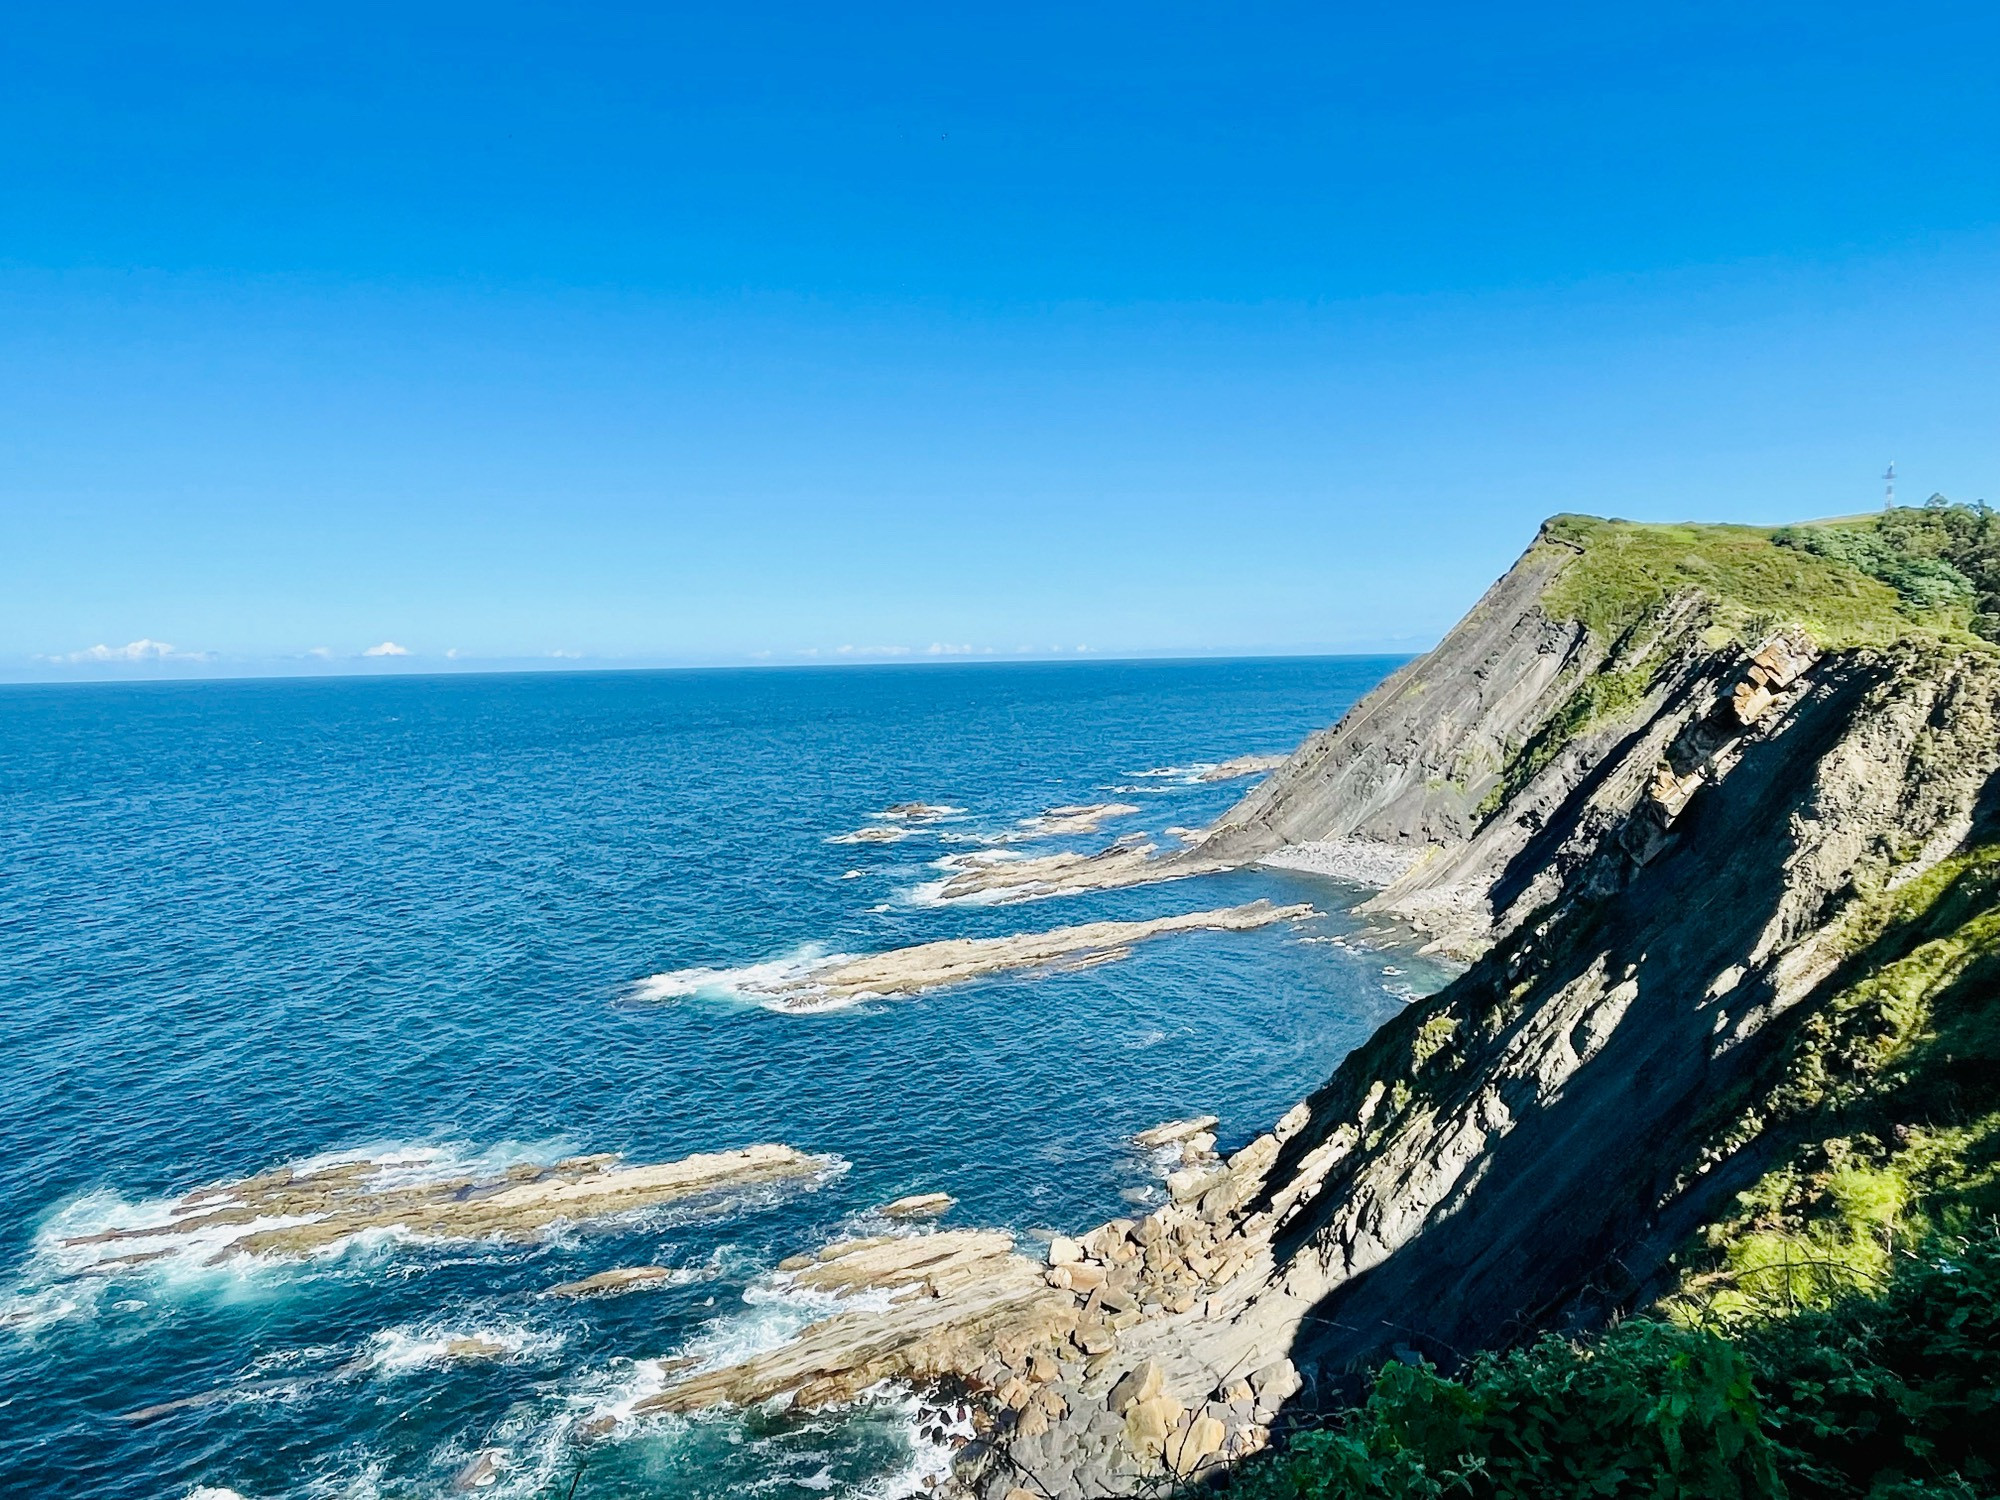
{"x": 1653, "y": 894}
{"x": 930, "y": 966}
{"x": 293, "y": 1212}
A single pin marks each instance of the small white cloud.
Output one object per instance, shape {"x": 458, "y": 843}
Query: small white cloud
{"x": 566, "y": 655}
{"x": 940, "y": 648}
{"x": 387, "y": 648}
{"x": 139, "y": 650}
{"x": 452, "y": 653}
{"x": 324, "y": 653}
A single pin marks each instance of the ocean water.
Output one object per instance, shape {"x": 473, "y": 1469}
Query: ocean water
{"x": 250, "y": 924}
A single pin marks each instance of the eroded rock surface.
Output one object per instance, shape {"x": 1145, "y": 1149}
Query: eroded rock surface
{"x": 1129, "y": 862}
{"x": 614, "y": 1282}
{"x": 1080, "y": 818}
{"x": 918, "y": 1206}
{"x": 1069, "y": 1358}
{"x": 929, "y": 966}
{"x": 294, "y": 1211}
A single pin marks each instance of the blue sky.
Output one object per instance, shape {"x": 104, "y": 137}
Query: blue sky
{"x": 659, "y": 334}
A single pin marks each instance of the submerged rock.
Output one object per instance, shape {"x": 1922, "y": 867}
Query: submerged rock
{"x": 918, "y": 1206}
{"x": 611, "y": 1283}
{"x": 1242, "y": 765}
{"x": 482, "y": 1473}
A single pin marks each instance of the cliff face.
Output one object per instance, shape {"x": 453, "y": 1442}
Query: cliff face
{"x": 1661, "y": 881}
{"x": 1528, "y": 1147}
{"x": 1713, "y": 819}
{"x": 1662, "y": 826}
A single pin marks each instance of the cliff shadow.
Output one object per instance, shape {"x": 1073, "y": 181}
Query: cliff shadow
{"x": 1550, "y": 1222}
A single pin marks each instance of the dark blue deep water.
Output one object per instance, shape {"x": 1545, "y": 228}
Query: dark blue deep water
{"x": 244, "y": 924}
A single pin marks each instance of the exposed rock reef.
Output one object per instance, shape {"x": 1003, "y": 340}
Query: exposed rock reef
{"x": 1085, "y": 817}
{"x": 614, "y": 1282}
{"x": 1063, "y": 1352}
{"x": 293, "y": 1212}
{"x": 930, "y": 966}
{"x": 991, "y": 878}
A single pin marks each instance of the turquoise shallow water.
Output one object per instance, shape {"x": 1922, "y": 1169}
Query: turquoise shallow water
{"x": 246, "y": 924}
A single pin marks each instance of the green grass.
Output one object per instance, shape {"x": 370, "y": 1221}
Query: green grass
{"x": 1886, "y": 1118}
{"x": 1626, "y": 571}
{"x": 1838, "y": 1332}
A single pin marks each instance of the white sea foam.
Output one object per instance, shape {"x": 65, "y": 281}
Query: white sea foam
{"x": 758, "y": 984}
{"x": 1180, "y": 775}
{"x": 398, "y": 1351}
{"x": 64, "y": 1281}
{"x": 931, "y": 892}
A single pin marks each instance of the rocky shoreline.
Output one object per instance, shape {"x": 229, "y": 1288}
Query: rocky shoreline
{"x": 1065, "y": 1362}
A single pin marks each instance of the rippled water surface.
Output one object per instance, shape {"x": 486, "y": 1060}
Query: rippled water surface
{"x": 246, "y": 924}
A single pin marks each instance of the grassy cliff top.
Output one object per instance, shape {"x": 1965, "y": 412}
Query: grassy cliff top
{"x": 1853, "y": 581}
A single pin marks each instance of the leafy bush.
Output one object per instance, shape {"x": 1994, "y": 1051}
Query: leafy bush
{"x": 1924, "y": 580}
{"x": 1888, "y": 1397}
{"x": 1648, "y": 1409}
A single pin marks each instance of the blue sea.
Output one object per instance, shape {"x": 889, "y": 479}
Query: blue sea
{"x": 245, "y": 924}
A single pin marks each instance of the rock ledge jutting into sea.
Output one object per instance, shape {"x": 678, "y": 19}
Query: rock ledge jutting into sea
{"x": 294, "y": 1211}
{"x": 929, "y": 966}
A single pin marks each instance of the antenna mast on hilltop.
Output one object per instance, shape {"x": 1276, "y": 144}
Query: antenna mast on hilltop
{"x": 1889, "y": 487}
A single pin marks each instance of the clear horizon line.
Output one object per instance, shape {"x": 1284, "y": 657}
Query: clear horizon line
{"x": 126, "y": 674}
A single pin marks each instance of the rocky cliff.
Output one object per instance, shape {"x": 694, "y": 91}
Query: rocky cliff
{"x": 1669, "y": 792}
{"x": 1659, "y": 787}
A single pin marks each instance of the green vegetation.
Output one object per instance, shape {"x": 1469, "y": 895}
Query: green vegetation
{"x": 1885, "y": 1124}
{"x": 1837, "y": 1335}
{"x": 1625, "y": 573}
{"x": 1924, "y": 583}
{"x": 1941, "y": 558}
{"x": 1863, "y": 581}
{"x": 1892, "y": 1395}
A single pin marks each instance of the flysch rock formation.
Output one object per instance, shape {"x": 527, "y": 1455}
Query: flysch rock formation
{"x": 992, "y": 879}
{"x": 930, "y": 966}
{"x": 1526, "y": 1149}
{"x": 1650, "y": 903}
{"x": 292, "y": 1212}
{"x": 1049, "y": 1348}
